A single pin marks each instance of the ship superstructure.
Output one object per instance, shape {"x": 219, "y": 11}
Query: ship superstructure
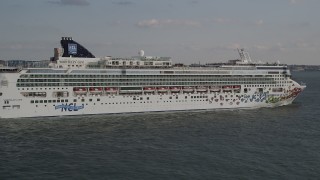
{"x": 76, "y": 83}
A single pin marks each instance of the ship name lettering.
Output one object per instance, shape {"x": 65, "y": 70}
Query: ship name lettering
{"x": 69, "y": 107}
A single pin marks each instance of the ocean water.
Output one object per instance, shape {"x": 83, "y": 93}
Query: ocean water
{"x": 267, "y": 143}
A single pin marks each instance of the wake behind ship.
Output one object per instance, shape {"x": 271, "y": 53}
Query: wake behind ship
{"x": 76, "y": 83}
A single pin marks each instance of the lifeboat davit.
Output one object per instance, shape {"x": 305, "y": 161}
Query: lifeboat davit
{"x": 187, "y": 89}
{"x": 111, "y": 89}
{"x": 95, "y": 90}
{"x": 149, "y": 89}
{"x": 80, "y": 90}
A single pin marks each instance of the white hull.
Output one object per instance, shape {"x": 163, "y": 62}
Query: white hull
{"x": 78, "y": 83}
{"x": 106, "y": 104}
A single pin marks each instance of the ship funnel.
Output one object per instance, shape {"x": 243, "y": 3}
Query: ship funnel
{"x": 73, "y": 49}
{"x": 58, "y": 52}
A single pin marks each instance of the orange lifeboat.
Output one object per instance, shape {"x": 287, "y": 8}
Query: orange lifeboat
{"x": 237, "y": 87}
{"x": 162, "y": 89}
{"x": 95, "y": 90}
{"x": 215, "y": 88}
{"x": 227, "y": 88}
{"x": 149, "y": 89}
{"x": 111, "y": 89}
{"x": 175, "y": 89}
{"x": 202, "y": 89}
{"x": 187, "y": 89}
{"x": 80, "y": 90}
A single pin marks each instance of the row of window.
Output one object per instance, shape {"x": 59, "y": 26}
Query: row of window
{"x": 50, "y": 101}
{"x": 142, "y": 80}
{"x": 43, "y": 88}
{"x": 139, "y": 84}
{"x": 135, "y": 102}
{"x": 34, "y": 94}
{"x": 59, "y": 101}
{"x": 264, "y": 85}
{"x": 170, "y": 97}
{"x": 57, "y": 76}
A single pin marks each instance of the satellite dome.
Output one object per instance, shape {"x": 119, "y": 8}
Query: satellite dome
{"x": 141, "y": 53}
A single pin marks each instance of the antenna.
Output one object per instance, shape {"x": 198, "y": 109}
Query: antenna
{"x": 141, "y": 53}
{"x": 241, "y": 54}
{"x": 244, "y": 56}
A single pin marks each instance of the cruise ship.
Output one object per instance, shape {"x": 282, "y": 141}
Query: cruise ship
{"x": 78, "y": 83}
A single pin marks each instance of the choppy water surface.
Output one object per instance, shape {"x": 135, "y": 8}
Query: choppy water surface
{"x": 268, "y": 143}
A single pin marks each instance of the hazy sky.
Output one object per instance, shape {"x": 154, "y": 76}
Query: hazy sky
{"x": 187, "y": 30}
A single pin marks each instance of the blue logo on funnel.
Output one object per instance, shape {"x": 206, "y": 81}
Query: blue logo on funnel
{"x": 72, "y": 48}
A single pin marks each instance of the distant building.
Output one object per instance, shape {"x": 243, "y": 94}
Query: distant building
{"x": 304, "y": 67}
{"x": 2, "y": 62}
{"x": 25, "y": 64}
